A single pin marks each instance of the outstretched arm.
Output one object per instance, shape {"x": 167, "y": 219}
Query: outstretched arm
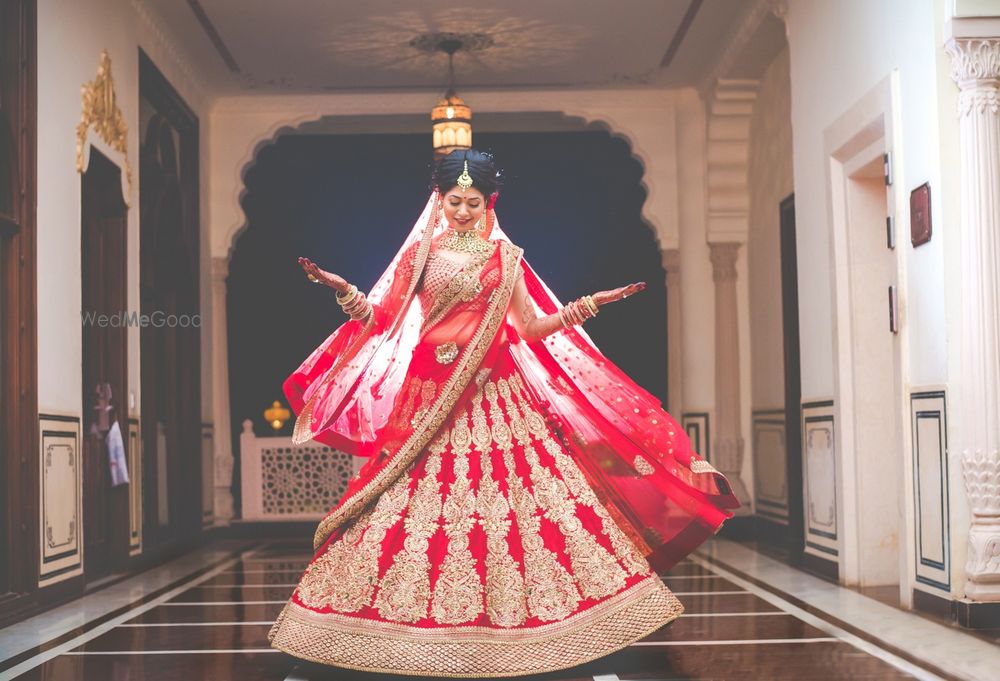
{"x": 530, "y": 326}
{"x": 353, "y": 301}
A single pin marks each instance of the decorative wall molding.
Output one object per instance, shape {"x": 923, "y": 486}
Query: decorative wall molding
{"x": 282, "y": 481}
{"x": 169, "y": 44}
{"x": 819, "y": 479}
{"x": 730, "y": 109}
{"x": 134, "y": 488}
{"x": 770, "y": 464}
{"x": 736, "y": 42}
{"x": 102, "y": 114}
{"x": 61, "y": 498}
{"x": 697, "y": 426}
{"x": 207, "y": 474}
{"x": 929, "y": 425}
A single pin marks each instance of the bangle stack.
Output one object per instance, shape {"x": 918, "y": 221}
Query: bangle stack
{"x": 354, "y": 303}
{"x": 578, "y": 311}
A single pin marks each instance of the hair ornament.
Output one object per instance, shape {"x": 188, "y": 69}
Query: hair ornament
{"x": 465, "y": 180}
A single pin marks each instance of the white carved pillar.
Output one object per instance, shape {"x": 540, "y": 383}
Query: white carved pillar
{"x": 727, "y": 452}
{"x": 730, "y": 107}
{"x": 976, "y": 68}
{"x": 220, "y": 395}
{"x": 675, "y": 357}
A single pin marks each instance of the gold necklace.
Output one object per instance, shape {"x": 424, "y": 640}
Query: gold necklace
{"x": 465, "y": 242}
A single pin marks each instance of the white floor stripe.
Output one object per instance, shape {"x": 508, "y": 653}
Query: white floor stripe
{"x": 232, "y": 586}
{"x": 690, "y": 577}
{"x": 254, "y": 572}
{"x": 737, "y": 614}
{"x": 606, "y": 677}
{"x": 737, "y": 642}
{"x": 187, "y": 603}
{"x": 208, "y": 651}
{"x": 820, "y": 624}
{"x": 296, "y": 675}
{"x": 709, "y": 593}
{"x": 194, "y": 624}
{"x": 77, "y": 641}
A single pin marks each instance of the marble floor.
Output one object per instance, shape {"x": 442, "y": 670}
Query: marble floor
{"x": 748, "y": 616}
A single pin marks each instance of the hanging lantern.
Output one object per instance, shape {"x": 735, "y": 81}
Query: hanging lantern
{"x": 277, "y": 415}
{"x": 452, "y": 121}
{"x": 451, "y": 117}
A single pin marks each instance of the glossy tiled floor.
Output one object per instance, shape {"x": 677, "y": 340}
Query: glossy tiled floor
{"x": 213, "y": 625}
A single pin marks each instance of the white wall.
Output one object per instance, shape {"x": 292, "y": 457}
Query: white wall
{"x": 838, "y": 52}
{"x": 770, "y": 180}
{"x": 70, "y": 39}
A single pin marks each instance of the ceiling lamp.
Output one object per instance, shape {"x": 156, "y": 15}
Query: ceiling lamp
{"x": 277, "y": 415}
{"x": 451, "y": 117}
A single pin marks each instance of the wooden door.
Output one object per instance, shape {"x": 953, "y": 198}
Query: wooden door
{"x": 793, "y": 384}
{"x": 103, "y": 254}
{"x": 170, "y": 369}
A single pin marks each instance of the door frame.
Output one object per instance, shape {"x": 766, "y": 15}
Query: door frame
{"x": 874, "y": 121}
{"x": 115, "y": 558}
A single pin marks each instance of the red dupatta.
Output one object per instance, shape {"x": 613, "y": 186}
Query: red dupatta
{"x": 635, "y": 455}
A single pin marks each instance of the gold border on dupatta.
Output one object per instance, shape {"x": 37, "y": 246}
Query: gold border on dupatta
{"x": 466, "y": 365}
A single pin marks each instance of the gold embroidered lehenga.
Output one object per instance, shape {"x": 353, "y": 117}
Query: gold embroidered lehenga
{"x": 503, "y": 524}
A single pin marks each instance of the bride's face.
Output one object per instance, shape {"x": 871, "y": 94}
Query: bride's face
{"x": 463, "y": 208}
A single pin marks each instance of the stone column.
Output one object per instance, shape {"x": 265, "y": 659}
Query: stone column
{"x": 727, "y": 451}
{"x": 675, "y": 356}
{"x": 223, "y": 439}
{"x": 976, "y": 69}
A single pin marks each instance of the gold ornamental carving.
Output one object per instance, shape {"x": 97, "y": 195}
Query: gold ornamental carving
{"x": 100, "y": 111}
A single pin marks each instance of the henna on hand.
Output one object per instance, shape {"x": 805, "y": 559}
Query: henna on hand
{"x": 320, "y": 276}
{"x": 620, "y": 293}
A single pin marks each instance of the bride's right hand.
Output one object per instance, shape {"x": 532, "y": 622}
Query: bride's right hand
{"x": 330, "y": 279}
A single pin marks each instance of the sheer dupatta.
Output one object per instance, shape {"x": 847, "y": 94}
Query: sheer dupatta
{"x": 344, "y": 391}
{"x": 636, "y": 456}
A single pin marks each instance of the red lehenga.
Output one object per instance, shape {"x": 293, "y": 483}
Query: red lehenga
{"x": 518, "y": 497}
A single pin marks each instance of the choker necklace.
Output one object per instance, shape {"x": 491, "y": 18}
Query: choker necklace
{"x": 465, "y": 242}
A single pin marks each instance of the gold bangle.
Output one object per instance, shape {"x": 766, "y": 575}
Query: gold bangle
{"x": 357, "y": 303}
{"x": 367, "y": 310}
{"x": 352, "y": 291}
{"x": 575, "y": 313}
{"x": 562, "y": 317}
{"x": 589, "y": 300}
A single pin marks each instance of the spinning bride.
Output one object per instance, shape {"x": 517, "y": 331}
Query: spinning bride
{"x": 520, "y": 493}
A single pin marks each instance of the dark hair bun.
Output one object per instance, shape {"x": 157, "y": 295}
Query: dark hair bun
{"x": 485, "y": 176}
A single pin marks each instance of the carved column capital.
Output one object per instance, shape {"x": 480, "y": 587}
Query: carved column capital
{"x": 723, "y": 256}
{"x": 974, "y": 60}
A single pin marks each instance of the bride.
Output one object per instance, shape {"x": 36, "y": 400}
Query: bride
{"x": 520, "y": 492}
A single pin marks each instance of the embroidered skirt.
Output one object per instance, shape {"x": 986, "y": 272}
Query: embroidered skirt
{"x": 490, "y": 556}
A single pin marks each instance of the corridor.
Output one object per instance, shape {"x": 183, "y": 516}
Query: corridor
{"x": 206, "y": 616}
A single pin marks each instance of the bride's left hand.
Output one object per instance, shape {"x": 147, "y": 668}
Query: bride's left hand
{"x": 620, "y": 293}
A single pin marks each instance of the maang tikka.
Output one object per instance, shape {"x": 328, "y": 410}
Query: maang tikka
{"x": 464, "y": 180}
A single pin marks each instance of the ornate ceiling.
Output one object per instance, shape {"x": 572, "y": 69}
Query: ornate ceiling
{"x": 261, "y": 46}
